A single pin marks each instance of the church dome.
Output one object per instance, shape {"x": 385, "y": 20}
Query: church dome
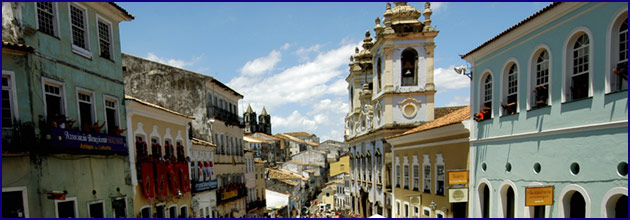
{"x": 404, "y": 14}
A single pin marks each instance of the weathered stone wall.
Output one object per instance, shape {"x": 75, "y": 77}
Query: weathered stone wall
{"x": 170, "y": 87}
{"x": 11, "y": 21}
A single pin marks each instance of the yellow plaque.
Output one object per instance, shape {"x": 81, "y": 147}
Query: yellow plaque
{"x": 535, "y": 196}
{"x": 458, "y": 177}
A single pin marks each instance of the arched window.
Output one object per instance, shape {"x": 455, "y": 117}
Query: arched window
{"x": 510, "y": 85}
{"x": 484, "y": 198}
{"x": 576, "y": 206}
{"x": 579, "y": 68}
{"x": 540, "y": 88}
{"x": 486, "y": 98}
{"x": 409, "y": 67}
{"x": 508, "y": 204}
{"x": 379, "y": 73}
{"x": 619, "y": 73}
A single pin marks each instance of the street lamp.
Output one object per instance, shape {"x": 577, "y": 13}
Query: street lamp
{"x": 462, "y": 71}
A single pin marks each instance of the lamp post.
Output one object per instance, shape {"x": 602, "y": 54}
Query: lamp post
{"x": 462, "y": 71}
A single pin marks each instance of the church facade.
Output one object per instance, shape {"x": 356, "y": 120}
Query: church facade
{"x": 252, "y": 125}
{"x": 391, "y": 91}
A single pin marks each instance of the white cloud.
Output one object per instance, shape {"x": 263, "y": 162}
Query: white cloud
{"x": 447, "y": 79}
{"x": 300, "y": 84}
{"x": 172, "y": 62}
{"x": 294, "y": 122}
{"x": 285, "y": 46}
{"x": 438, "y": 6}
{"x": 459, "y": 101}
{"x": 303, "y": 53}
{"x": 334, "y": 134}
{"x": 262, "y": 64}
{"x": 326, "y": 105}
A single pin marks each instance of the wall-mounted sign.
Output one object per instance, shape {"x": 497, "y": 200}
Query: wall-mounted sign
{"x": 535, "y": 196}
{"x": 458, "y": 195}
{"x": 458, "y": 177}
{"x": 205, "y": 185}
{"x": 83, "y": 141}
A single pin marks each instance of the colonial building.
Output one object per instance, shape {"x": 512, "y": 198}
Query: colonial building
{"x": 214, "y": 106}
{"x": 552, "y": 139}
{"x": 280, "y": 152}
{"x": 158, "y": 157}
{"x": 258, "y": 205}
{"x": 263, "y": 149}
{"x": 204, "y": 179}
{"x": 292, "y": 144}
{"x": 295, "y": 185}
{"x": 63, "y": 124}
{"x": 391, "y": 90}
{"x": 263, "y": 124}
{"x": 424, "y": 157}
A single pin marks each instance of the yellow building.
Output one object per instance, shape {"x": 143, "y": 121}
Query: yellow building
{"x": 422, "y": 159}
{"x": 158, "y": 144}
{"x": 341, "y": 166}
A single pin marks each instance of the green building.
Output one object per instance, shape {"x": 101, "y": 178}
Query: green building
{"x": 63, "y": 121}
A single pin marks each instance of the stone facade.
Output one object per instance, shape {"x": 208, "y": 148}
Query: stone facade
{"x": 391, "y": 90}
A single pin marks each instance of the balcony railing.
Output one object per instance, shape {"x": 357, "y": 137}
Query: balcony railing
{"x": 231, "y": 192}
{"x": 227, "y": 117}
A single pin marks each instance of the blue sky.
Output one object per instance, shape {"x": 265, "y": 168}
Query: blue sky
{"x": 293, "y": 58}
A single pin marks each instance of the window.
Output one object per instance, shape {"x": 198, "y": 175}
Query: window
{"x": 80, "y": 36}
{"x": 426, "y": 211}
{"x": 53, "y": 93}
{"x": 96, "y": 209}
{"x": 406, "y": 210}
{"x": 18, "y": 205}
{"x": 416, "y": 211}
{"x": 398, "y": 208}
{"x": 86, "y": 110}
{"x": 66, "y": 208}
{"x": 510, "y": 88}
{"x": 145, "y": 212}
{"x": 105, "y": 38}
{"x": 46, "y": 17}
{"x": 183, "y": 212}
{"x": 111, "y": 115}
{"x": 8, "y": 100}
{"x": 409, "y": 63}
{"x": 579, "y": 72}
{"x": 172, "y": 211}
{"x": 439, "y": 180}
{"x": 379, "y": 74}
{"x": 416, "y": 176}
{"x": 159, "y": 211}
{"x": 486, "y": 97}
{"x": 406, "y": 176}
{"x": 427, "y": 178}
{"x": 541, "y": 80}
{"x": 397, "y": 175}
{"x": 619, "y": 75}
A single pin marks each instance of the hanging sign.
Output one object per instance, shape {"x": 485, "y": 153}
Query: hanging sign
{"x": 458, "y": 177}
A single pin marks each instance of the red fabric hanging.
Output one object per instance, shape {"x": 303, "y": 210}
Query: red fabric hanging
{"x": 173, "y": 179}
{"x": 183, "y": 175}
{"x": 148, "y": 189}
{"x": 161, "y": 183}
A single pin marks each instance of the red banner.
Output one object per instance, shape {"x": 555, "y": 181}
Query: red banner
{"x": 173, "y": 179}
{"x": 146, "y": 169}
{"x": 183, "y": 175}
{"x": 162, "y": 170}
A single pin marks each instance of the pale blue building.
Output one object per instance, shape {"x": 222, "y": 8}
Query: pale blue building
{"x": 571, "y": 134}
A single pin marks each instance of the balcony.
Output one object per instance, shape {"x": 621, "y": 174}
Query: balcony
{"x": 19, "y": 138}
{"x": 226, "y": 116}
{"x": 256, "y": 204}
{"x": 231, "y": 192}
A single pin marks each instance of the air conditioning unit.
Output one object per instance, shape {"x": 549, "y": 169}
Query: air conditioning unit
{"x": 415, "y": 200}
